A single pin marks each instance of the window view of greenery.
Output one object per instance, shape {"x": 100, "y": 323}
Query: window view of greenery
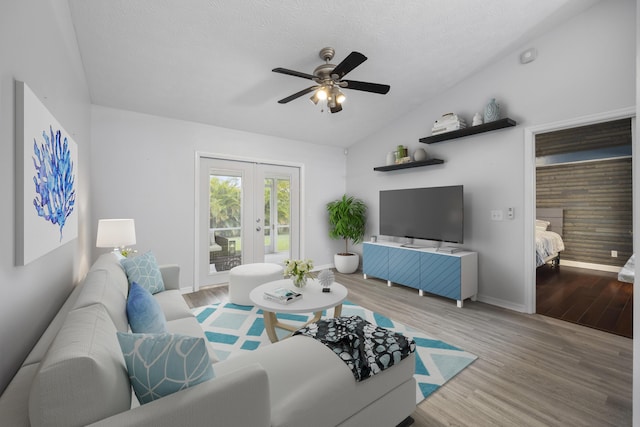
{"x": 283, "y": 202}
{"x": 225, "y": 218}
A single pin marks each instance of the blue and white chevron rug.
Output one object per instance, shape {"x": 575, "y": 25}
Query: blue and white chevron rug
{"x": 234, "y": 328}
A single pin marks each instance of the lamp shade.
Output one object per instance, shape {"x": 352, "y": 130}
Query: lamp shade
{"x": 114, "y": 233}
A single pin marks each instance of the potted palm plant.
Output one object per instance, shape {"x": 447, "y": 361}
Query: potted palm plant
{"x": 347, "y": 219}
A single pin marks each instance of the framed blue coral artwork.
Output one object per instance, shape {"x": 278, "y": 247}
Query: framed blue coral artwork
{"x": 47, "y": 180}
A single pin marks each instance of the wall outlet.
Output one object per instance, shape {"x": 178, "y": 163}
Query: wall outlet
{"x": 614, "y": 254}
{"x": 510, "y": 213}
{"x": 497, "y": 215}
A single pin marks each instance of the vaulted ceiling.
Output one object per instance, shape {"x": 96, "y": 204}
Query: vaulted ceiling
{"x": 210, "y": 61}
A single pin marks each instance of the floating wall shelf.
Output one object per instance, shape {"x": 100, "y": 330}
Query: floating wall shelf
{"x": 428, "y": 162}
{"x": 472, "y": 130}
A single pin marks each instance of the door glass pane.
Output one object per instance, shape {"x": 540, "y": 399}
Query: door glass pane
{"x": 225, "y": 221}
{"x": 269, "y": 243}
{"x": 277, "y": 219}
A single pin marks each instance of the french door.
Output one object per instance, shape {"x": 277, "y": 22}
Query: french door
{"x": 248, "y": 212}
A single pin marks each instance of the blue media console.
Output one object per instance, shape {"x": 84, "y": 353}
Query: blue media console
{"x": 452, "y": 276}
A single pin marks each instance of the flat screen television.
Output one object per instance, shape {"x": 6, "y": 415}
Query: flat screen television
{"x": 433, "y": 213}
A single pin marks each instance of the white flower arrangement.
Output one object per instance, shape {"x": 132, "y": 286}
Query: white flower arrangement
{"x": 299, "y": 270}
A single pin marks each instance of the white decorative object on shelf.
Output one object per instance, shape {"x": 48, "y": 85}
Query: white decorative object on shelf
{"x": 419, "y": 155}
{"x": 477, "y": 120}
{"x": 391, "y": 158}
{"x": 491, "y": 111}
{"x": 447, "y": 123}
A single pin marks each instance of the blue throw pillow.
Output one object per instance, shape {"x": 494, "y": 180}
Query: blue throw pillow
{"x": 161, "y": 364}
{"x": 143, "y": 311}
{"x": 144, "y": 270}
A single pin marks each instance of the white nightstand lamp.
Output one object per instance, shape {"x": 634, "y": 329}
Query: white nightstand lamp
{"x": 116, "y": 234}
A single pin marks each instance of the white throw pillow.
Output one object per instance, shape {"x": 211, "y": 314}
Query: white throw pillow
{"x": 542, "y": 225}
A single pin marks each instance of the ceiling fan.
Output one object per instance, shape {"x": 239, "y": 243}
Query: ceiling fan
{"x": 328, "y": 78}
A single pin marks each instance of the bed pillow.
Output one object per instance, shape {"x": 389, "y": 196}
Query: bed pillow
{"x": 162, "y": 364}
{"x": 144, "y": 312}
{"x": 542, "y": 225}
{"x": 144, "y": 270}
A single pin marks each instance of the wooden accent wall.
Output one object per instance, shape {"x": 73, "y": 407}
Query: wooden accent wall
{"x": 597, "y": 201}
{"x": 596, "y": 196}
{"x": 600, "y": 135}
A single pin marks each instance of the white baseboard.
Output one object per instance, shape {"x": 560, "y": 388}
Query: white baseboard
{"x": 323, "y": 267}
{"x": 502, "y": 303}
{"x": 590, "y": 266}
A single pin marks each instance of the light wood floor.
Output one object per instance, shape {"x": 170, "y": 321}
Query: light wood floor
{"x": 532, "y": 370}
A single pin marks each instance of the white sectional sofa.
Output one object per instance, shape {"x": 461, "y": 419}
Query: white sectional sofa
{"x": 76, "y": 375}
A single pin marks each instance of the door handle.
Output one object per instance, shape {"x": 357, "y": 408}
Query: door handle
{"x": 258, "y": 228}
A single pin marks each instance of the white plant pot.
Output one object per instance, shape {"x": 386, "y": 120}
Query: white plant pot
{"x": 346, "y": 263}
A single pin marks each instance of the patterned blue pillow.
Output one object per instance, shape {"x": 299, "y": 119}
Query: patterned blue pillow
{"x": 144, "y": 270}
{"x": 143, "y": 311}
{"x": 161, "y": 364}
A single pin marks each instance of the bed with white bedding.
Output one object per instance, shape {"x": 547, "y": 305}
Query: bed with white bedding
{"x": 549, "y": 241}
{"x": 628, "y": 271}
{"x": 548, "y": 247}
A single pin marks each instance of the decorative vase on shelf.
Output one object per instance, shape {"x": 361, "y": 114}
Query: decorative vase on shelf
{"x": 419, "y": 155}
{"x": 477, "y": 119}
{"x": 491, "y": 111}
{"x": 391, "y": 157}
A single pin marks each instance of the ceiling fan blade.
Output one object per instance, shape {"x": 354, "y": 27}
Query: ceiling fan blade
{"x": 336, "y": 109}
{"x": 366, "y": 86}
{"x": 297, "y": 95}
{"x": 293, "y": 73}
{"x": 349, "y": 63}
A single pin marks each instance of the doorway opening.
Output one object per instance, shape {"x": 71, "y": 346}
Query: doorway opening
{"x": 247, "y": 212}
{"x": 531, "y": 186}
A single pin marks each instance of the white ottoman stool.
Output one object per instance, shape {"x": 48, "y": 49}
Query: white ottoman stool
{"x": 243, "y": 278}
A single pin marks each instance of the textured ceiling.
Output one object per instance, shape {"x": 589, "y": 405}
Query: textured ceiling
{"x": 210, "y": 61}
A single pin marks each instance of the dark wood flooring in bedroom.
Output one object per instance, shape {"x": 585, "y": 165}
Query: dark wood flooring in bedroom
{"x": 586, "y": 297}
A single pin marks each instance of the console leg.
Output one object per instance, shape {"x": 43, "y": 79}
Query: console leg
{"x": 364, "y": 276}
{"x": 389, "y": 283}
{"x": 460, "y": 302}
{"x": 406, "y": 422}
{"x": 420, "y": 292}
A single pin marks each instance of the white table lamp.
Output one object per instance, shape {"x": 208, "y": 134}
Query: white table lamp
{"x": 115, "y": 233}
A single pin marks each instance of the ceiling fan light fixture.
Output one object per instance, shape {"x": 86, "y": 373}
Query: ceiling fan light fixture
{"x": 328, "y": 81}
{"x": 321, "y": 93}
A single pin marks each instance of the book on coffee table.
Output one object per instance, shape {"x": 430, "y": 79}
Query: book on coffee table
{"x": 282, "y": 295}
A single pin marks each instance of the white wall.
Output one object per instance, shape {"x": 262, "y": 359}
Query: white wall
{"x": 636, "y": 236}
{"x": 578, "y": 72}
{"x": 38, "y": 46}
{"x": 144, "y": 168}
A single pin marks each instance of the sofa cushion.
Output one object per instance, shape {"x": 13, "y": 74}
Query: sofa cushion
{"x": 110, "y": 263}
{"x": 162, "y": 364}
{"x": 190, "y": 326}
{"x": 173, "y": 305}
{"x": 83, "y": 377}
{"x": 144, "y": 270}
{"x": 143, "y": 311}
{"x": 329, "y": 393}
{"x": 99, "y": 288}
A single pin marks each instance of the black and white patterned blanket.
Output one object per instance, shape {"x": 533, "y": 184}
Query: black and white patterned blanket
{"x": 367, "y": 349}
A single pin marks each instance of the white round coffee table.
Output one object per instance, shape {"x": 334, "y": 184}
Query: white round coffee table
{"x": 313, "y": 301}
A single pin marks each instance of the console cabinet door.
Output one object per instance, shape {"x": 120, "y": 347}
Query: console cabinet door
{"x": 375, "y": 261}
{"x": 404, "y": 267}
{"x": 440, "y": 275}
